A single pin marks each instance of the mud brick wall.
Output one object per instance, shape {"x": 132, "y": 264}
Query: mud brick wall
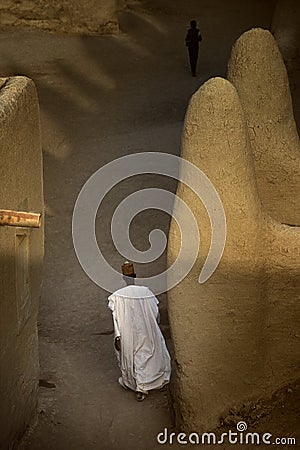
{"x": 257, "y": 71}
{"x": 236, "y": 337}
{"x": 21, "y": 257}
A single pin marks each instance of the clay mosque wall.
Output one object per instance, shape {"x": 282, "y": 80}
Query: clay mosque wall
{"x": 241, "y": 326}
{"x": 21, "y": 261}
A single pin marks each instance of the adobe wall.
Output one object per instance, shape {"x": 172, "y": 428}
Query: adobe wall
{"x": 257, "y": 70}
{"x": 235, "y": 336}
{"x": 20, "y": 285}
{"x": 75, "y": 16}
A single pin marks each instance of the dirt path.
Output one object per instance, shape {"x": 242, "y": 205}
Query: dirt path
{"x": 102, "y": 98}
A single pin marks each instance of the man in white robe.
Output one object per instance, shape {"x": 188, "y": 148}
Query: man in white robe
{"x": 140, "y": 346}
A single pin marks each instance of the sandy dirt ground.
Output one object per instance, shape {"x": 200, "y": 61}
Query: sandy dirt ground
{"x": 102, "y": 98}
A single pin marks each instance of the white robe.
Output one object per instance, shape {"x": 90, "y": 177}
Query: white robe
{"x": 144, "y": 359}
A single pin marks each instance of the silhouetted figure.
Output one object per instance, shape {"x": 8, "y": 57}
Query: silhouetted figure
{"x": 192, "y": 40}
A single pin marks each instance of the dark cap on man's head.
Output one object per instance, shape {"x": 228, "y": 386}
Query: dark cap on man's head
{"x": 128, "y": 269}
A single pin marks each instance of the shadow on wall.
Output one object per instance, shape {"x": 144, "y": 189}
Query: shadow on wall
{"x": 235, "y": 340}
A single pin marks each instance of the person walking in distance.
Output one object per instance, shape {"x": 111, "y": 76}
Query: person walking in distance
{"x": 192, "y": 40}
{"x": 139, "y": 344}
